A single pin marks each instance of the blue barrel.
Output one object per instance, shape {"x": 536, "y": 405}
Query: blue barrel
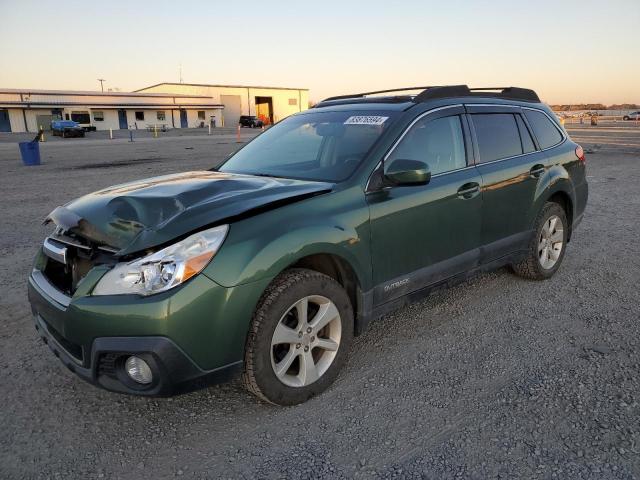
{"x": 30, "y": 152}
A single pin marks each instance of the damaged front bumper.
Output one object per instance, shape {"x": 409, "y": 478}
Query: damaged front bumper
{"x": 189, "y": 336}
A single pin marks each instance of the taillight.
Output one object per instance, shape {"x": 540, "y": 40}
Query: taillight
{"x": 580, "y": 154}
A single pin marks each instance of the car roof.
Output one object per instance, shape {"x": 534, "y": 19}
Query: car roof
{"x": 459, "y": 93}
{"x": 376, "y": 103}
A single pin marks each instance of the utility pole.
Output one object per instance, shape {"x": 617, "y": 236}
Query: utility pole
{"x": 180, "y": 68}
{"x": 101, "y": 80}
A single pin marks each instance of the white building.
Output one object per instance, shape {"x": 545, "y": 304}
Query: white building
{"x": 270, "y": 104}
{"x": 24, "y": 110}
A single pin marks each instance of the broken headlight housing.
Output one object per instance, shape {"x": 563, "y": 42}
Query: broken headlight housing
{"x": 164, "y": 269}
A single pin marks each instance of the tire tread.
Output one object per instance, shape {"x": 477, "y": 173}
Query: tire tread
{"x": 529, "y": 267}
{"x": 281, "y": 284}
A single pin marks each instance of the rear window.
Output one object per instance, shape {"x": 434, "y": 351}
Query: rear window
{"x": 545, "y": 131}
{"x": 497, "y": 135}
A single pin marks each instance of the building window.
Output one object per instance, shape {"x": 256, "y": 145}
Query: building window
{"x": 293, "y": 101}
{"x": 201, "y": 115}
{"x": 140, "y": 116}
{"x": 161, "y": 116}
{"x": 98, "y": 116}
{"x": 81, "y": 117}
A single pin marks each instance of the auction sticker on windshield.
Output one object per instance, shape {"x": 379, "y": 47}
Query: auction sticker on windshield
{"x": 365, "y": 120}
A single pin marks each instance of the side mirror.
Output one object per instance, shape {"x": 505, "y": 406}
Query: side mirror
{"x": 407, "y": 172}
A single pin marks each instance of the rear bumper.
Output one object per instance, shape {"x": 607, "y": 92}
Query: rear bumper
{"x": 581, "y": 198}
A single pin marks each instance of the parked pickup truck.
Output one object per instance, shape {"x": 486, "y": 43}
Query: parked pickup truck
{"x": 66, "y": 128}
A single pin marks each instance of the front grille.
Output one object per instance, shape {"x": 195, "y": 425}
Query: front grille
{"x": 59, "y": 275}
{"x": 71, "y": 348}
{"x": 81, "y": 256}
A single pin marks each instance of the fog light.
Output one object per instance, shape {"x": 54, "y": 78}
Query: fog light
{"x": 138, "y": 370}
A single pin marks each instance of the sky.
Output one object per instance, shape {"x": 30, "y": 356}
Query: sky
{"x": 568, "y": 51}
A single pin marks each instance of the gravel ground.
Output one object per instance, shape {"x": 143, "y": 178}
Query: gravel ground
{"x": 498, "y": 377}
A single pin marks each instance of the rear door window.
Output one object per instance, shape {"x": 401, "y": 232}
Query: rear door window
{"x": 525, "y": 136}
{"x": 545, "y": 131}
{"x": 497, "y": 135}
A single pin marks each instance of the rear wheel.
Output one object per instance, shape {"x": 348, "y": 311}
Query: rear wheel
{"x": 547, "y": 246}
{"x": 299, "y": 338}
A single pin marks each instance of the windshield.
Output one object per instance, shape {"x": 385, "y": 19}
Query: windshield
{"x": 321, "y": 146}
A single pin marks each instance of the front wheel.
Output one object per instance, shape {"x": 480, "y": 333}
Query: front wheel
{"x": 547, "y": 246}
{"x": 299, "y": 338}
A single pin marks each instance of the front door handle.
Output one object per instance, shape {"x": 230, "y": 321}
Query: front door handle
{"x": 537, "y": 170}
{"x": 469, "y": 190}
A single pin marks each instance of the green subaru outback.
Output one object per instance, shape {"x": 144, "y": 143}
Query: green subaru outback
{"x": 268, "y": 265}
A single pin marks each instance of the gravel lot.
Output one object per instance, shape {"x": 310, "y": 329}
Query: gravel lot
{"x": 498, "y": 377}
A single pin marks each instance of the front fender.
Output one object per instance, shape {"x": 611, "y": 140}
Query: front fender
{"x": 262, "y": 246}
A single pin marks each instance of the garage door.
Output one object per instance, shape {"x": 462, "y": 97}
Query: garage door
{"x": 232, "y": 110}
{"x": 5, "y": 125}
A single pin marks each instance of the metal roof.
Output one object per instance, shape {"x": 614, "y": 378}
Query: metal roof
{"x": 89, "y": 93}
{"x": 220, "y": 86}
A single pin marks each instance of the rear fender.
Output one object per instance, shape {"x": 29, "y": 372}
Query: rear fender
{"x": 555, "y": 180}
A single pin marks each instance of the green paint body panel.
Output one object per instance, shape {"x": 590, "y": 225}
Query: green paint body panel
{"x": 262, "y": 246}
{"x": 418, "y": 226}
{"x": 207, "y": 321}
{"x": 396, "y": 240}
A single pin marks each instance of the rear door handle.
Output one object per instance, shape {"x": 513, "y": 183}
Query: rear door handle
{"x": 469, "y": 190}
{"x": 537, "y": 170}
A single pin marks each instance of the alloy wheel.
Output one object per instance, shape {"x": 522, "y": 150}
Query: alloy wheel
{"x": 551, "y": 242}
{"x": 305, "y": 341}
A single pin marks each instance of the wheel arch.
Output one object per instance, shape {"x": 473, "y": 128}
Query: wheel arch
{"x": 556, "y": 187}
{"x": 563, "y": 199}
{"x": 341, "y": 271}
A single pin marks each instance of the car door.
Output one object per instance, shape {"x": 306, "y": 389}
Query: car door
{"x": 421, "y": 234}
{"x": 510, "y": 165}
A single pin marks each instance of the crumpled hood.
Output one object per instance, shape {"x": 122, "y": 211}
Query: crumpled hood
{"x": 139, "y": 215}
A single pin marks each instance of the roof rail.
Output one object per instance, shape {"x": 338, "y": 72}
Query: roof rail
{"x": 443, "y": 92}
{"x": 515, "y": 93}
{"x": 446, "y": 91}
{"x": 364, "y": 94}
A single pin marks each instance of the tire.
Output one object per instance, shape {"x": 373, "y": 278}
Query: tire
{"x": 532, "y": 267}
{"x": 280, "y": 304}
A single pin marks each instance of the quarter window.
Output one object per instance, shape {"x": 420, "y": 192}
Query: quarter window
{"x": 439, "y": 143}
{"x": 525, "y": 136}
{"x": 545, "y": 131}
{"x": 497, "y": 136}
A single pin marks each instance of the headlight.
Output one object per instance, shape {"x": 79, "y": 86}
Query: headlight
{"x": 164, "y": 269}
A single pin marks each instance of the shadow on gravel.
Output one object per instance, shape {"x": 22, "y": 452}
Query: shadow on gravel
{"x": 122, "y": 163}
